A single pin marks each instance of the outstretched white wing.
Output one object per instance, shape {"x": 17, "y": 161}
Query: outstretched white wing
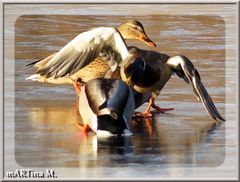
{"x": 85, "y": 48}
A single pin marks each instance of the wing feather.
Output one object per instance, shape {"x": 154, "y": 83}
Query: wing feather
{"x": 187, "y": 69}
{"x": 82, "y": 50}
{"x": 49, "y": 71}
{"x": 66, "y": 68}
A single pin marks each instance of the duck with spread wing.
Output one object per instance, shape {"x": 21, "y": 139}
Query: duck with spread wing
{"x": 79, "y": 61}
{"x": 148, "y": 72}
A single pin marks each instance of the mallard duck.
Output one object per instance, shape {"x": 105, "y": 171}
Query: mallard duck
{"x": 106, "y": 106}
{"x": 75, "y": 61}
{"x": 156, "y": 70}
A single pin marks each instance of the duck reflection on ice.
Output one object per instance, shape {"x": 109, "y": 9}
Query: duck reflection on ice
{"x": 162, "y": 139}
{"x": 121, "y": 145}
{"x": 142, "y": 125}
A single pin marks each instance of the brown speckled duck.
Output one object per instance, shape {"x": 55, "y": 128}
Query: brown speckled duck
{"x": 79, "y": 61}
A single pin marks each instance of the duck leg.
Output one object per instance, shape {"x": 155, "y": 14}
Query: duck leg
{"x": 151, "y": 103}
{"x": 147, "y": 113}
{"x": 77, "y": 88}
{"x": 83, "y": 128}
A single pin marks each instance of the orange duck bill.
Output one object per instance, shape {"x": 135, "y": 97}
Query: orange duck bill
{"x": 147, "y": 41}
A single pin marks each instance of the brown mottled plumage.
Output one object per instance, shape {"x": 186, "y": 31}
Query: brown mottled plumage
{"x": 96, "y": 69}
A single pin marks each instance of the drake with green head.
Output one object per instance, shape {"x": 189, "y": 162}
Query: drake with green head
{"x": 106, "y": 107}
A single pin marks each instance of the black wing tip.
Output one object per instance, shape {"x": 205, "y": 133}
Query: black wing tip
{"x": 31, "y": 64}
{"x": 217, "y": 117}
{"x": 34, "y": 62}
{"x": 220, "y": 119}
{"x": 211, "y": 108}
{"x": 208, "y": 102}
{"x": 213, "y": 111}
